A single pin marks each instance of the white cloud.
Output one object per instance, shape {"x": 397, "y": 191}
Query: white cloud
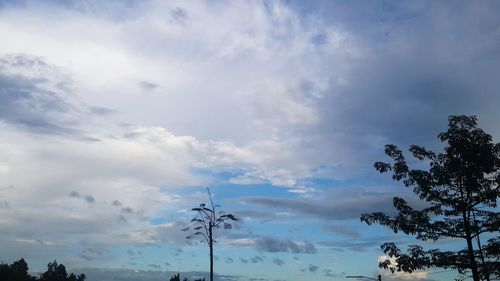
{"x": 417, "y": 275}
{"x": 243, "y": 73}
{"x": 240, "y": 242}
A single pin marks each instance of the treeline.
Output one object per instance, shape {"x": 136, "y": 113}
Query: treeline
{"x": 18, "y": 271}
{"x": 178, "y": 278}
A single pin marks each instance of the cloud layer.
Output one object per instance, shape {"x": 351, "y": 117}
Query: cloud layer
{"x": 114, "y": 113}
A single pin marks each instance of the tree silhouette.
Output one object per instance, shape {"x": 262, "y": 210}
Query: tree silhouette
{"x": 57, "y": 272}
{"x": 175, "y": 277}
{"x": 178, "y": 278}
{"x": 204, "y": 223}
{"x": 18, "y": 271}
{"x": 461, "y": 188}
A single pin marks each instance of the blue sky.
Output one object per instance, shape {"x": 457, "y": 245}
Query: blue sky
{"x": 116, "y": 115}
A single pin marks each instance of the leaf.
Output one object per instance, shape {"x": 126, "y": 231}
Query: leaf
{"x": 207, "y": 209}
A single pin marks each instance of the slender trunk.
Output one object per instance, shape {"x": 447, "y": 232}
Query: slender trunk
{"x": 484, "y": 265}
{"x": 486, "y": 272}
{"x": 211, "y": 251}
{"x": 470, "y": 248}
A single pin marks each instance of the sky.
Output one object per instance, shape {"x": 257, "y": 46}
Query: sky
{"x": 115, "y": 116}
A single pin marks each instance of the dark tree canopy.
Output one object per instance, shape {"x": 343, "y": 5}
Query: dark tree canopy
{"x": 18, "y": 271}
{"x": 57, "y": 272}
{"x": 461, "y": 189}
{"x": 177, "y": 277}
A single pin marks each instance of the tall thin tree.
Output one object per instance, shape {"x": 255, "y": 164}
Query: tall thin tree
{"x": 208, "y": 219}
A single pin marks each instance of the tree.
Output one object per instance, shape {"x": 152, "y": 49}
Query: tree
{"x": 178, "y": 278}
{"x": 17, "y": 271}
{"x": 175, "y": 277}
{"x": 204, "y": 223}
{"x": 57, "y": 272}
{"x": 461, "y": 190}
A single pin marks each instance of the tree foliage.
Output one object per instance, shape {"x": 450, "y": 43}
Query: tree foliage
{"x": 208, "y": 219}
{"x": 57, "y": 272}
{"x": 461, "y": 189}
{"x": 177, "y": 277}
{"x": 18, "y": 271}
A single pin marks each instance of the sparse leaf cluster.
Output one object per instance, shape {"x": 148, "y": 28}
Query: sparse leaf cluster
{"x": 207, "y": 219}
{"x": 204, "y": 223}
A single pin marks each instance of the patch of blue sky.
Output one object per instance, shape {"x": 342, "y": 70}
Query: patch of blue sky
{"x": 159, "y": 257}
{"x": 320, "y": 179}
{"x": 319, "y": 39}
{"x": 221, "y": 185}
{"x": 159, "y": 220}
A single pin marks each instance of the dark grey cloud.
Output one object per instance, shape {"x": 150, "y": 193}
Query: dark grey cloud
{"x": 154, "y": 266}
{"x": 147, "y": 85}
{"x": 27, "y": 106}
{"x": 89, "y": 198}
{"x": 116, "y": 203}
{"x": 93, "y": 253}
{"x": 84, "y": 256}
{"x": 38, "y": 97}
{"x": 74, "y": 194}
{"x": 179, "y": 15}
{"x": 343, "y": 230}
{"x": 420, "y": 62}
{"x": 177, "y": 252}
{"x": 257, "y": 259}
{"x": 331, "y": 273}
{"x": 340, "y": 204}
{"x": 278, "y": 261}
{"x": 228, "y": 260}
{"x": 312, "y": 268}
{"x": 127, "y": 210}
{"x": 243, "y": 260}
{"x": 27, "y": 102}
{"x": 363, "y": 244}
{"x": 98, "y": 110}
{"x": 275, "y": 245}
